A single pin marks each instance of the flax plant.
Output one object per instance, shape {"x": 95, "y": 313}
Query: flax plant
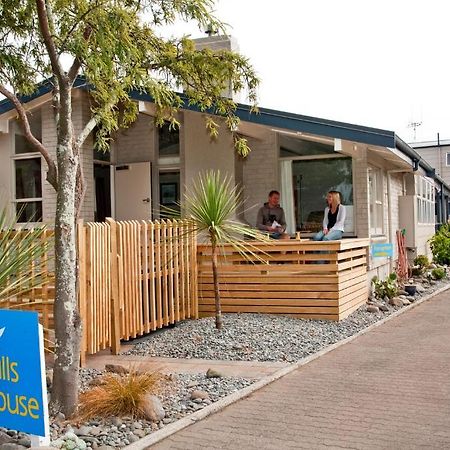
{"x": 21, "y": 251}
{"x": 211, "y": 204}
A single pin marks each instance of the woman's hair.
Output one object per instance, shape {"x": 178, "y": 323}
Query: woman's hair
{"x": 335, "y": 198}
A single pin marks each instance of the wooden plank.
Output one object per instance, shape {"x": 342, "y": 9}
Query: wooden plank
{"x": 270, "y": 295}
{"x": 165, "y": 271}
{"x": 145, "y": 278}
{"x": 204, "y": 302}
{"x": 181, "y": 247}
{"x": 170, "y": 261}
{"x": 176, "y": 265}
{"x": 158, "y": 274}
{"x": 115, "y": 301}
{"x": 275, "y": 279}
{"x": 272, "y": 309}
{"x": 152, "y": 268}
{"x": 292, "y": 287}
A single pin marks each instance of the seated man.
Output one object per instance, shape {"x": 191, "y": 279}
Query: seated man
{"x": 271, "y": 217}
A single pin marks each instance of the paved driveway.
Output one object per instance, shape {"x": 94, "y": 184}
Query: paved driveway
{"x": 387, "y": 389}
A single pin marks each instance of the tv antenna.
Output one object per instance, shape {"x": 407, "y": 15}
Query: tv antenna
{"x": 414, "y": 125}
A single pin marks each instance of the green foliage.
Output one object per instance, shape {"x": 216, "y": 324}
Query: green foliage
{"x": 211, "y": 203}
{"x": 422, "y": 261}
{"x": 116, "y": 47}
{"x": 440, "y": 245}
{"x": 19, "y": 252}
{"x": 438, "y": 273}
{"x": 416, "y": 271}
{"x": 387, "y": 288}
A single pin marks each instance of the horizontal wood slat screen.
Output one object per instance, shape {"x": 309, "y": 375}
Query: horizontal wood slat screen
{"x": 319, "y": 280}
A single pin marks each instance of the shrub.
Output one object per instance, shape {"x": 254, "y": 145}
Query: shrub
{"x": 422, "y": 261}
{"x": 118, "y": 395}
{"x": 440, "y": 245}
{"x": 416, "y": 271}
{"x": 385, "y": 288}
{"x": 438, "y": 273}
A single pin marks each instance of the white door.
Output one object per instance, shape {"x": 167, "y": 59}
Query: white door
{"x": 133, "y": 191}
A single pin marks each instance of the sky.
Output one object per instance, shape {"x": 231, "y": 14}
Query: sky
{"x": 383, "y": 64}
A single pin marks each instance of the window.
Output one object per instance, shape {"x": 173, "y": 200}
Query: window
{"x": 27, "y": 172}
{"x": 169, "y": 140}
{"x": 312, "y": 179}
{"x": 375, "y": 200}
{"x": 425, "y": 200}
{"x": 447, "y": 157}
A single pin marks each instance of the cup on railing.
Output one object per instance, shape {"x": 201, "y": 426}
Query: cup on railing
{"x": 297, "y": 235}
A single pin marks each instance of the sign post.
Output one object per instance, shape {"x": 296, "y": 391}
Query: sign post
{"x": 23, "y": 390}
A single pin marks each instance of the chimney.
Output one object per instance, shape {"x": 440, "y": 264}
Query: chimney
{"x": 216, "y": 42}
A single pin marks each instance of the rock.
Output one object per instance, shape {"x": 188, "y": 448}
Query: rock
{"x": 25, "y": 441}
{"x": 105, "y": 447}
{"x": 12, "y": 433}
{"x": 212, "y": 373}
{"x": 12, "y": 446}
{"x": 396, "y": 302}
{"x": 152, "y": 408}
{"x": 82, "y": 431}
{"x": 133, "y": 438}
{"x": 384, "y": 308}
{"x": 420, "y": 288}
{"x": 116, "y": 368}
{"x": 139, "y": 433}
{"x": 406, "y": 301}
{"x": 5, "y": 438}
{"x": 137, "y": 426}
{"x": 373, "y": 309}
{"x": 192, "y": 384}
{"x": 402, "y": 292}
{"x": 116, "y": 421}
{"x": 60, "y": 417}
{"x": 199, "y": 395}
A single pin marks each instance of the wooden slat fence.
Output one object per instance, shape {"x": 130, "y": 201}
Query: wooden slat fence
{"x": 318, "y": 280}
{"x": 39, "y": 298}
{"x": 135, "y": 277}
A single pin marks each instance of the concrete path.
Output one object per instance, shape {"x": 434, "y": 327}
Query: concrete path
{"x": 247, "y": 369}
{"x": 387, "y": 389}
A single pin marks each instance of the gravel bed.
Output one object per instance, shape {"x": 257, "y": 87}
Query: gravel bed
{"x": 175, "y": 398}
{"x": 261, "y": 337}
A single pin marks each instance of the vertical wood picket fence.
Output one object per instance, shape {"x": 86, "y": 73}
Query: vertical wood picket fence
{"x": 135, "y": 277}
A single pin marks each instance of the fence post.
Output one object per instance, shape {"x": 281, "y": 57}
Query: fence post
{"x": 82, "y": 288}
{"x": 115, "y": 303}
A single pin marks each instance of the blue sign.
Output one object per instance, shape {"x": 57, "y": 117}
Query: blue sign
{"x": 383, "y": 250}
{"x": 23, "y": 395}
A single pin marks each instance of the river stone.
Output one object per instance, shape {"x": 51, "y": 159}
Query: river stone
{"x": 197, "y": 394}
{"x": 5, "y": 438}
{"x": 152, "y": 408}
{"x": 384, "y": 308}
{"x": 116, "y": 368}
{"x": 396, "y": 302}
{"x": 12, "y": 446}
{"x": 212, "y": 373}
{"x": 373, "y": 309}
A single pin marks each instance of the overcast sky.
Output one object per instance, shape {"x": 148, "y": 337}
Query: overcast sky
{"x": 379, "y": 63}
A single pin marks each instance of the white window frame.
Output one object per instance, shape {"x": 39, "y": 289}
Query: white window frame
{"x": 376, "y": 201}
{"x": 24, "y": 156}
{"x": 425, "y": 201}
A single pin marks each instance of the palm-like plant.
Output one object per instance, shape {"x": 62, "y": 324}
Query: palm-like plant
{"x": 21, "y": 252}
{"x": 211, "y": 204}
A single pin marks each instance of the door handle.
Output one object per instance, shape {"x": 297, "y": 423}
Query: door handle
{"x": 146, "y": 200}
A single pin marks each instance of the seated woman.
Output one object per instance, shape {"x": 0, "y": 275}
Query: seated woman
{"x": 334, "y": 218}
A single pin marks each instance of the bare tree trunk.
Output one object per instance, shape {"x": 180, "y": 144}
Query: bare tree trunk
{"x": 66, "y": 316}
{"x": 219, "y": 320}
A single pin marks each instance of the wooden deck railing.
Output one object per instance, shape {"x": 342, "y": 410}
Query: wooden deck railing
{"x": 319, "y": 280}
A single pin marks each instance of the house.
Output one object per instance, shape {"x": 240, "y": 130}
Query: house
{"x": 384, "y": 182}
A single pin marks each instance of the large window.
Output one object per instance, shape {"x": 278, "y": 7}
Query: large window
{"x": 27, "y": 172}
{"x": 312, "y": 179}
{"x": 169, "y": 140}
{"x": 375, "y": 177}
{"x": 425, "y": 200}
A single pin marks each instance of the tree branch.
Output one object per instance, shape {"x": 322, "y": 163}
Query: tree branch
{"x": 85, "y": 132}
{"x": 48, "y": 41}
{"x": 52, "y": 176}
